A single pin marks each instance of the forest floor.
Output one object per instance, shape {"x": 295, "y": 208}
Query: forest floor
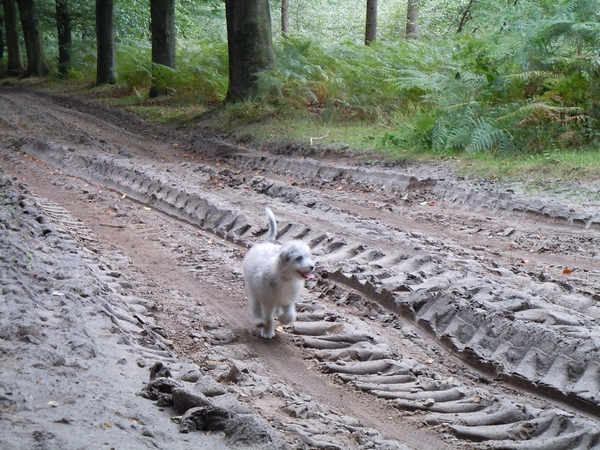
{"x": 446, "y": 313}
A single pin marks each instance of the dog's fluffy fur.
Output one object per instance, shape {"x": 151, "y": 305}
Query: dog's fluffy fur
{"x": 274, "y": 276}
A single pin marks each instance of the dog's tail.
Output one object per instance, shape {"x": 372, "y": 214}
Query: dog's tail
{"x": 272, "y": 226}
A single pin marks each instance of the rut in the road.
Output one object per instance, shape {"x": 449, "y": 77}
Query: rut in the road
{"x": 512, "y": 324}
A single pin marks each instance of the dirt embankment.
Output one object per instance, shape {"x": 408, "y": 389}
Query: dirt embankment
{"x": 446, "y": 313}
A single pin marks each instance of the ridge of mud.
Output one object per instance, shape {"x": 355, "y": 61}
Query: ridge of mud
{"x": 362, "y": 359}
{"x": 533, "y": 327}
{"x": 73, "y": 322}
{"x": 514, "y": 325}
{"x": 451, "y": 190}
{"x": 87, "y": 327}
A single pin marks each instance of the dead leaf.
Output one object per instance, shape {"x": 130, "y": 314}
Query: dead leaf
{"x": 124, "y": 196}
{"x": 567, "y": 271}
{"x": 108, "y": 424}
{"x": 339, "y": 188}
{"x": 431, "y": 204}
{"x": 430, "y": 361}
{"x": 147, "y": 209}
{"x": 210, "y": 241}
{"x": 110, "y": 211}
{"x": 175, "y": 145}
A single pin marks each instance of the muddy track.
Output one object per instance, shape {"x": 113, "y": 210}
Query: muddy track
{"x": 446, "y": 314}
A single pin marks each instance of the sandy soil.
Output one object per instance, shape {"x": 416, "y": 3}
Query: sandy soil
{"x": 447, "y": 313}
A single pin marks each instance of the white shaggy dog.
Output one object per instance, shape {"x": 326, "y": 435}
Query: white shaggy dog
{"x": 274, "y": 276}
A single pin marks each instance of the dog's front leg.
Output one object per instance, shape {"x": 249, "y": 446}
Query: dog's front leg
{"x": 287, "y": 314}
{"x": 268, "y": 329}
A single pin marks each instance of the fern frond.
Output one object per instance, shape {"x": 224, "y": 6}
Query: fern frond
{"x": 487, "y": 137}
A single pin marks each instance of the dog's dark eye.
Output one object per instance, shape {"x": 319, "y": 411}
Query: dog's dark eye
{"x": 299, "y": 258}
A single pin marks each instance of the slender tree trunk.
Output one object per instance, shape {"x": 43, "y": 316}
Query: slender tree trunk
{"x": 105, "y": 40}
{"x": 63, "y": 25}
{"x": 2, "y": 34}
{"x": 412, "y": 19}
{"x": 466, "y": 15}
{"x": 371, "y": 25}
{"x": 36, "y": 58}
{"x": 15, "y": 59}
{"x": 285, "y": 16}
{"x": 162, "y": 27}
{"x": 250, "y": 45}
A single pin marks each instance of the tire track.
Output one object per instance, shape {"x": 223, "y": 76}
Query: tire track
{"x": 533, "y": 330}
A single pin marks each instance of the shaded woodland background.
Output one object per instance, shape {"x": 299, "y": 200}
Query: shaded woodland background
{"x": 510, "y": 77}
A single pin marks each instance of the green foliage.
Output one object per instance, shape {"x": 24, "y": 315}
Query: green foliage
{"x": 200, "y": 73}
{"x": 521, "y": 78}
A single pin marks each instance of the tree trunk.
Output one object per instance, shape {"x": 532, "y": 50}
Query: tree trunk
{"x": 285, "y": 16}
{"x": 466, "y": 15}
{"x": 63, "y": 25}
{"x": 105, "y": 40}
{"x": 36, "y": 58}
{"x": 412, "y": 19}
{"x": 13, "y": 47}
{"x": 162, "y": 27}
{"x": 371, "y": 25}
{"x": 250, "y": 45}
{"x": 2, "y": 35}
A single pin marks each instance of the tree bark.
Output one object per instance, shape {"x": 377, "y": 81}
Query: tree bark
{"x": 371, "y": 23}
{"x": 15, "y": 59}
{"x": 285, "y": 16}
{"x": 250, "y": 45}
{"x": 105, "y": 40}
{"x": 162, "y": 27}
{"x": 63, "y": 25}
{"x": 412, "y": 19}
{"x": 2, "y": 35}
{"x": 36, "y": 58}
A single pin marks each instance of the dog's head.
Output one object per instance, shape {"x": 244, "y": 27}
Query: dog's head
{"x": 295, "y": 257}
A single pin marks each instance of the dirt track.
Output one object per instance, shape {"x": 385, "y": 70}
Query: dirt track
{"x": 446, "y": 314}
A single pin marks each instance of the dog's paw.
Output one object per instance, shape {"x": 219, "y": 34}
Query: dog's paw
{"x": 267, "y": 334}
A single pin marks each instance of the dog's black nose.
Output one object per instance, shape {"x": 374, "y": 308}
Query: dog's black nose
{"x": 312, "y": 267}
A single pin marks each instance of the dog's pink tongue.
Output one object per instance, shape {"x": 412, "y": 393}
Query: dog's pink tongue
{"x": 307, "y": 275}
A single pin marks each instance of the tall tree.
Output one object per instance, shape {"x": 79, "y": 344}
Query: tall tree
{"x": 36, "y": 58}
{"x": 371, "y": 26}
{"x": 285, "y": 16}
{"x": 1, "y": 34}
{"x": 15, "y": 59}
{"x": 412, "y": 19}
{"x": 105, "y": 41}
{"x": 162, "y": 27}
{"x": 63, "y": 25}
{"x": 250, "y": 45}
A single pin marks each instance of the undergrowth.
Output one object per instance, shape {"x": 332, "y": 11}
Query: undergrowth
{"x": 525, "y": 99}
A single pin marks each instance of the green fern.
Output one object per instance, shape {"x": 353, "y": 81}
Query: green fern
{"x": 486, "y": 136}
